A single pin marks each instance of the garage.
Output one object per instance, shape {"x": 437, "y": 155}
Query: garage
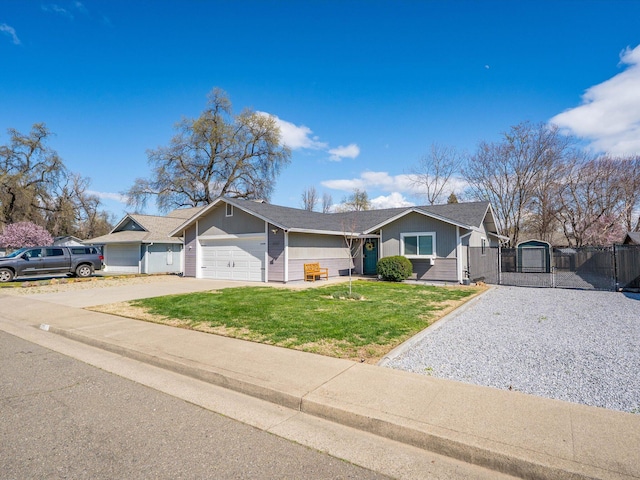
{"x": 122, "y": 258}
{"x": 233, "y": 259}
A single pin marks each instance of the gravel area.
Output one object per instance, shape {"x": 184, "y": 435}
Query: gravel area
{"x": 572, "y": 345}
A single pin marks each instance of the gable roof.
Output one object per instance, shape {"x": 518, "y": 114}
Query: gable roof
{"x": 632, "y": 238}
{"x": 152, "y": 228}
{"x": 467, "y": 215}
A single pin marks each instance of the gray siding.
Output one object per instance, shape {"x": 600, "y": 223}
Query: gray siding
{"x": 217, "y": 223}
{"x": 444, "y": 270}
{"x": 330, "y": 251}
{"x": 276, "y": 255}
{"x": 307, "y": 245}
{"x": 414, "y": 222}
{"x": 476, "y": 236}
{"x": 190, "y": 252}
{"x": 336, "y": 266}
{"x": 163, "y": 258}
{"x": 130, "y": 225}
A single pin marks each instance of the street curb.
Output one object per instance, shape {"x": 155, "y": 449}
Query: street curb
{"x": 190, "y": 369}
{"x": 470, "y": 449}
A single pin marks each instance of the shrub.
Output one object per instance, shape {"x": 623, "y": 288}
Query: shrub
{"x": 394, "y": 269}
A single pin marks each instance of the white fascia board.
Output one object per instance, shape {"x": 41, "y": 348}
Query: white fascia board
{"x": 126, "y": 217}
{"x": 168, "y": 240}
{"x": 230, "y": 236}
{"x": 497, "y": 235}
{"x": 323, "y": 232}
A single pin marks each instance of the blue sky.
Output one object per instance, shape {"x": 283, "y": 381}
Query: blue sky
{"x": 361, "y": 88}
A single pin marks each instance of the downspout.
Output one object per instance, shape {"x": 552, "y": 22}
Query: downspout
{"x": 266, "y": 252}
{"x": 183, "y": 253}
{"x": 198, "y": 252}
{"x": 286, "y": 256}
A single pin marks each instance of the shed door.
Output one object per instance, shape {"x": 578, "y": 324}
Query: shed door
{"x": 534, "y": 259}
{"x": 122, "y": 258}
{"x": 233, "y": 259}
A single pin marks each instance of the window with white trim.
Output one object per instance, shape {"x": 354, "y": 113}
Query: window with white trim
{"x": 229, "y": 210}
{"x": 418, "y": 244}
{"x": 484, "y": 245}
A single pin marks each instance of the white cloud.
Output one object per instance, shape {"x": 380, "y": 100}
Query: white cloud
{"x": 395, "y": 199}
{"x": 395, "y": 185}
{"x": 80, "y": 7}
{"x": 350, "y": 151}
{"x": 9, "y": 30}
{"x": 609, "y": 117}
{"x": 52, "y": 7}
{"x": 372, "y": 180}
{"x": 344, "y": 185}
{"x": 118, "y": 197}
{"x": 296, "y": 137}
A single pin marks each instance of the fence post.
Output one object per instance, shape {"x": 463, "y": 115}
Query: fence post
{"x": 499, "y": 264}
{"x": 616, "y": 283}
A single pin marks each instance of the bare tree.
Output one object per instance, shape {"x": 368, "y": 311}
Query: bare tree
{"x": 216, "y": 154}
{"x": 349, "y": 229}
{"x": 433, "y": 172}
{"x": 507, "y": 172}
{"x": 630, "y": 183}
{"x": 35, "y": 186}
{"x": 541, "y": 220}
{"x": 592, "y": 201}
{"x": 357, "y": 201}
{"x": 310, "y": 199}
{"x": 29, "y": 174}
{"x": 327, "y": 203}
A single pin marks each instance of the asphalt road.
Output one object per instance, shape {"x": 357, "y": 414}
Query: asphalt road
{"x": 61, "y": 418}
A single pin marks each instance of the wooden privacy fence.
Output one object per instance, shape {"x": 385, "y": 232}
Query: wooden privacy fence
{"x": 595, "y": 268}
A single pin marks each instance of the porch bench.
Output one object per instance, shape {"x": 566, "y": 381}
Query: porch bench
{"x": 313, "y": 270}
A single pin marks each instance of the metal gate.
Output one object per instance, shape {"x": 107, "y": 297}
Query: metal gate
{"x": 590, "y": 268}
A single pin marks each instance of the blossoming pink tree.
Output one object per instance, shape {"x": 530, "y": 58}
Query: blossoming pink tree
{"x": 24, "y": 234}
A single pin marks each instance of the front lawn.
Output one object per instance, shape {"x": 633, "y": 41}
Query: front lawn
{"x": 316, "y": 320}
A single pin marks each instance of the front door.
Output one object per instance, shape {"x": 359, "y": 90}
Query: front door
{"x": 370, "y": 256}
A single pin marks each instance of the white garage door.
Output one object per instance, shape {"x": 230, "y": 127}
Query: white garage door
{"x": 122, "y": 258}
{"x": 233, "y": 259}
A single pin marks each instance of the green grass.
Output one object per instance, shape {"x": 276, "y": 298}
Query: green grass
{"x": 314, "y": 319}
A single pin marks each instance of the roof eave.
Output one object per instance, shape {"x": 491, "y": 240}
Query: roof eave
{"x": 323, "y": 232}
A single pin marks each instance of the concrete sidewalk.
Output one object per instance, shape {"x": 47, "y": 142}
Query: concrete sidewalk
{"x": 509, "y": 432}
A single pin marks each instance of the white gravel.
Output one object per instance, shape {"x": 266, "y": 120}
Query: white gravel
{"x": 572, "y": 345}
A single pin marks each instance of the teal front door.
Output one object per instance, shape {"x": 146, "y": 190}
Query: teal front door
{"x": 370, "y": 256}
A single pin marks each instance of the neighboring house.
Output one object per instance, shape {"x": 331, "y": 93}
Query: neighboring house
{"x": 237, "y": 239}
{"x": 632, "y": 238}
{"x": 67, "y": 241}
{"x": 141, "y": 243}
